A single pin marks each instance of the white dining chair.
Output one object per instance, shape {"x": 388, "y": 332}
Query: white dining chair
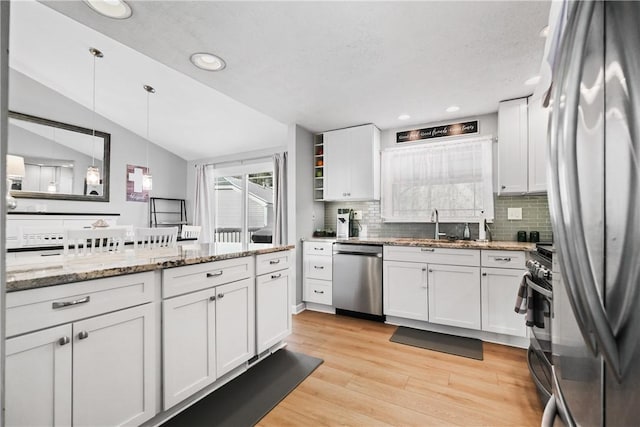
{"x": 87, "y": 241}
{"x": 191, "y": 232}
{"x": 155, "y": 237}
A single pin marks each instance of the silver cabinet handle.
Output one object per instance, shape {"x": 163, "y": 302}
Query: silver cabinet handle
{"x": 212, "y": 298}
{"x": 319, "y": 267}
{"x": 318, "y": 249}
{"x": 507, "y": 259}
{"x": 83, "y": 335}
{"x": 58, "y": 304}
{"x": 276, "y": 276}
{"x": 64, "y": 340}
{"x": 484, "y": 274}
{"x": 318, "y": 292}
{"x": 216, "y": 274}
{"x": 503, "y": 187}
{"x": 427, "y": 250}
{"x": 274, "y": 261}
{"x": 55, "y": 254}
{"x": 430, "y": 271}
{"x": 220, "y": 295}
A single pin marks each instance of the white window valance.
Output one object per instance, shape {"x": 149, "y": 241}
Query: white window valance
{"x": 454, "y": 177}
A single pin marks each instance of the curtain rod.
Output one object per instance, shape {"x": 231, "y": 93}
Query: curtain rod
{"x": 241, "y": 161}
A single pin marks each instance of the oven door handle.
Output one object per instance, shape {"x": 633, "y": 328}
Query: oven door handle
{"x": 545, "y": 292}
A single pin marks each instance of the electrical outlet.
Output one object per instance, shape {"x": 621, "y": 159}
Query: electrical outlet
{"x": 357, "y": 215}
{"x": 514, "y": 213}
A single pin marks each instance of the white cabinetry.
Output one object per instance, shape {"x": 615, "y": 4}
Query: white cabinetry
{"x": 405, "y": 289}
{"x": 96, "y": 370}
{"x": 454, "y": 295}
{"x": 512, "y": 146}
{"x": 318, "y": 272}
{"x": 273, "y": 305}
{"x": 352, "y": 163}
{"x": 522, "y": 146}
{"x": 499, "y": 290}
{"x": 208, "y": 332}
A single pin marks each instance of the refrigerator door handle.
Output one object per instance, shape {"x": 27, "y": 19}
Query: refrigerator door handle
{"x": 557, "y": 176}
{"x": 550, "y": 412}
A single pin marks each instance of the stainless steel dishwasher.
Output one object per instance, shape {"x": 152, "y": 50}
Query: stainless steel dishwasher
{"x": 357, "y": 279}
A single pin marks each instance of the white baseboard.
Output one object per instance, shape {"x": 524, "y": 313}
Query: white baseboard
{"x": 321, "y": 308}
{"x": 297, "y": 309}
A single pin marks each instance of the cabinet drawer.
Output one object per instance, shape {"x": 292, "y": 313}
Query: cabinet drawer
{"x": 318, "y": 267}
{"x": 470, "y": 257}
{"x": 318, "y": 248}
{"x": 34, "y": 309}
{"x": 504, "y": 259}
{"x": 181, "y": 280}
{"x": 318, "y": 291}
{"x": 268, "y": 263}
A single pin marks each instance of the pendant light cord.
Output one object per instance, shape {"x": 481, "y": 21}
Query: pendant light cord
{"x": 93, "y": 108}
{"x": 147, "y": 144}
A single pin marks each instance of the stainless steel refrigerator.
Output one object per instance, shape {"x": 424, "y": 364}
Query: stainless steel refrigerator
{"x": 594, "y": 194}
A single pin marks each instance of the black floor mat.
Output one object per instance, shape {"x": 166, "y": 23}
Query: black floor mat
{"x": 248, "y": 398}
{"x": 459, "y": 346}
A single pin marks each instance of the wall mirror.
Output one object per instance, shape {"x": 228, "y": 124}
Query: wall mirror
{"x": 56, "y": 157}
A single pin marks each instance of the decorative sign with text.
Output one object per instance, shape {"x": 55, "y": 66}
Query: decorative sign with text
{"x": 135, "y": 192}
{"x": 437, "y": 131}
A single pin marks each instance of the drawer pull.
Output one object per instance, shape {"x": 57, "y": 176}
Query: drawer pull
{"x": 212, "y": 298}
{"x": 64, "y": 340}
{"x": 276, "y": 276}
{"x": 507, "y": 259}
{"x": 427, "y": 250}
{"x": 220, "y": 296}
{"x": 318, "y": 249}
{"x": 83, "y": 335}
{"x": 319, "y": 267}
{"x": 430, "y": 271}
{"x": 318, "y": 292}
{"x": 55, "y": 254}
{"x": 274, "y": 261}
{"x": 57, "y": 304}
{"x": 484, "y": 274}
{"x": 216, "y": 274}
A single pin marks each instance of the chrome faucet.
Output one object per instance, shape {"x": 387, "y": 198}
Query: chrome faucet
{"x": 434, "y": 217}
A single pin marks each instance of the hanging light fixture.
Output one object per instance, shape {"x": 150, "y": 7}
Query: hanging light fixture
{"x": 93, "y": 173}
{"x": 52, "y": 187}
{"x": 147, "y": 180}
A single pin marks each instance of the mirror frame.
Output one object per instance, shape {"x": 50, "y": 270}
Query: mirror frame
{"x": 106, "y": 160}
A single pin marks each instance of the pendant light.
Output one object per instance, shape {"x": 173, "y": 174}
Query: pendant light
{"x": 93, "y": 173}
{"x": 52, "y": 187}
{"x": 147, "y": 180}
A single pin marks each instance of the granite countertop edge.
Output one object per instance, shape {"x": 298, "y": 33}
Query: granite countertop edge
{"x": 432, "y": 243}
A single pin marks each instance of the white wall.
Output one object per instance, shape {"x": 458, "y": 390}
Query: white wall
{"x": 169, "y": 171}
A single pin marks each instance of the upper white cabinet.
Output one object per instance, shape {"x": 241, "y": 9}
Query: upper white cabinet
{"x": 512, "y": 146}
{"x": 352, "y": 163}
{"x": 522, "y": 146}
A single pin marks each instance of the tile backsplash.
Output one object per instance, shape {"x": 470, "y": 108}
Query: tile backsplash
{"x": 535, "y": 216}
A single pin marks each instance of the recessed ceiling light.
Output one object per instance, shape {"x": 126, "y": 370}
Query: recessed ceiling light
{"x": 544, "y": 32}
{"x": 404, "y": 117}
{"x": 452, "y": 109}
{"x": 208, "y": 61}
{"x": 532, "y": 81}
{"x": 116, "y": 9}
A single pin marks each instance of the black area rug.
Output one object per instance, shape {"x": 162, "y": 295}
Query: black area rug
{"x": 451, "y": 344}
{"x": 248, "y": 398}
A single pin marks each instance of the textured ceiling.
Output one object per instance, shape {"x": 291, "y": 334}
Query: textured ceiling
{"x": 326, "y": 65}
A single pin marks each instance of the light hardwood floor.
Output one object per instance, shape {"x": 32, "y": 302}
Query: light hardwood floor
{"x": 366, "y": 380}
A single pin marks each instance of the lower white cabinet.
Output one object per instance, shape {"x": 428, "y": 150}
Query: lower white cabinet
{"x": 454, "y": 295}
{"x": 405, "y": 290}
{"x": 205, "y": 335}
{"x": 98, "y": 371}
{"x": 318, "y": 272}
{"x": 273, "y": 309}
{"x": 499, "y": 290}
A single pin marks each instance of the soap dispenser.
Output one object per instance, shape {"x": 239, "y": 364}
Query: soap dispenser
{"x": 466, "y": 233}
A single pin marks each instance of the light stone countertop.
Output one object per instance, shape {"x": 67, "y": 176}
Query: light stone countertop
{"x": 432, "y": 243}
{"x": 36, "y": 272}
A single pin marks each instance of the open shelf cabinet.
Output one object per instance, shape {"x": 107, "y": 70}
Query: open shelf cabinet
{"x": 164, "y": 212}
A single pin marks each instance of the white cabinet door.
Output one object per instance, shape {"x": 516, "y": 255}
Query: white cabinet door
{"x": 273, "y": 309}
{"x": 454, "y": 295}
{"x": 318, "y": 267}
{"x": 538, "y": 123}
{"x": 38, "y": 378}
{"x": 364, "y": 157}
{"x": 512, "y": 146}
{"x": 188, "y": 345}
{"x": 405, "y": 290}
{"x": 235, "y": 325}
{"x": 499, "y": 290}
{"x": 114, "y": 368}
{"x": 337, "y": 164}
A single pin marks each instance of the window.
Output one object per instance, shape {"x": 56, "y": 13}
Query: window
{"x": 243, "y": 209}
{"x": 454, "y": 177}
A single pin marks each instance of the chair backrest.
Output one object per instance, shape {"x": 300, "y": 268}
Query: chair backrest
{"x": 191, "y": 232}
{"x": 160, "y": 237}
{"x": 85, "y": 241}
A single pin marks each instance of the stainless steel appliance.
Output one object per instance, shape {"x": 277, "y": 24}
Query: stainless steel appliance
{"x": 539, "y": 353}
{"x": 357, "y": 279}
{"x": 594, "y": 188}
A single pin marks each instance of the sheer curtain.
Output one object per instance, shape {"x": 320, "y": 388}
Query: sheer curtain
{"x": 280, "y": 198}
{"x": 202, "y": 215}
{"x": 454, "y": 177}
